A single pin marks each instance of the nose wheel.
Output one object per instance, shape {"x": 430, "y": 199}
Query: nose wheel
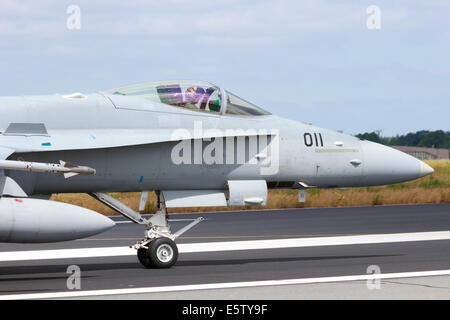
{"x": 161, "y": 253}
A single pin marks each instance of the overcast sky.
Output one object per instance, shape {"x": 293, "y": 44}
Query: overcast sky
{"x": 314, "y": 61}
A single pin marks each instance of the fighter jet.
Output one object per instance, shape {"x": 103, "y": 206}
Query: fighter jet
{"x": 191, "y": 142}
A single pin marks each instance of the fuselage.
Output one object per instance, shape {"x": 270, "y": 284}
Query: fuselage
{"x": 134, "y": 145}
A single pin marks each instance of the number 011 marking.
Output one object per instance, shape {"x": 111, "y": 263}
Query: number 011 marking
{"x": 310, "y": 141}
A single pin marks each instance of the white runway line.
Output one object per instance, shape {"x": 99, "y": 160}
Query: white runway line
{"x": 229, "y": 246}
{"x": 229, "y": 285}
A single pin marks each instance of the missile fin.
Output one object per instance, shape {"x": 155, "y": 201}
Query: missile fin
{"x": 67, "y": 164}
{"x": 70, "y": 174}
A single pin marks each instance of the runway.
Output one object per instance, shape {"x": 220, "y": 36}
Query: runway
{"x": 271, "y": 254}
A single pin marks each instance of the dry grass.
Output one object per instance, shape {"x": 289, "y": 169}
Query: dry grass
{"x": 432, "y": 189}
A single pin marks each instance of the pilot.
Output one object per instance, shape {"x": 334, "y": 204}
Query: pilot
{"x": 192, "y": 96}
{"x": 214, "y": 105}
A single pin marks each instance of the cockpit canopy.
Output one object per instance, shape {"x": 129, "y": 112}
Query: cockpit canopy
{"x": 194, "y": 95}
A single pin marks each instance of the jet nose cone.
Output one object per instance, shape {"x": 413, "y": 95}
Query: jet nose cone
{"x": 425, "y": 169}
{"x": 384, "y": 165}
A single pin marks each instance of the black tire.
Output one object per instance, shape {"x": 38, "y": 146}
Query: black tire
{"x": 162, "y": 252}
{"x": 143, "y": 258}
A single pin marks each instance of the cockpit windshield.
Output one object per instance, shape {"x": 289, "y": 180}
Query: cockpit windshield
{"x": 236, "y": 105}
{"x": 199, "y": 96}
{"x": 194, "y": 95}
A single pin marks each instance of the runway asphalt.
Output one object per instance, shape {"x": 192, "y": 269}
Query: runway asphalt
{"x": 416, "y": 247}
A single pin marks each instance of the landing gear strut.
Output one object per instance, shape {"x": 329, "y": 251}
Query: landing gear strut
{"x": 158, "y": 248}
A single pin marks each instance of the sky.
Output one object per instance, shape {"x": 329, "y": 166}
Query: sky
{"x": 312, "y": 61}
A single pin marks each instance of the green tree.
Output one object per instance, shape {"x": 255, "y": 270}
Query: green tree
{"x": 435, "y": 139}
{"x": 371, "y": 136}
{"x": 410, "y": 139}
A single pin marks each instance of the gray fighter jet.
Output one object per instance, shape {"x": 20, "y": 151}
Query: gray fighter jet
{"x": 191, "y": 142}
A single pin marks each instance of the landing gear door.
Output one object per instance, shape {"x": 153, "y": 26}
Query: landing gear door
{"x": 247, "y": 192}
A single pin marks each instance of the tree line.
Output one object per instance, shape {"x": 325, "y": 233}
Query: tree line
{"x": 423, "y": 138}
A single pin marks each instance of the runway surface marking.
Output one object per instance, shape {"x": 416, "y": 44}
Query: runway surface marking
{"x": 229, "y": 246}
{"x": 228, "y": 237}
{"x": 228, "y": 285}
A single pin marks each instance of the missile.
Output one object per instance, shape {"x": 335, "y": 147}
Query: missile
{"x": 26, "y": 220}
{"x": 64, "y": 168}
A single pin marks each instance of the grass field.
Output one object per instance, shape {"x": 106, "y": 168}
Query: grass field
{"x": 431, "y": 189}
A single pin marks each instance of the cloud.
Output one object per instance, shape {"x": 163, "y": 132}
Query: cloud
{"x": 234, "y": 22}
{"x": 13, "y": 7}
{"x": 178, "y": 18}
{"x": 263, "y": 18}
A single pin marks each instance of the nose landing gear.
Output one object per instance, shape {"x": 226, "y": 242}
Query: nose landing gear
{"x": 158, "y": 248}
